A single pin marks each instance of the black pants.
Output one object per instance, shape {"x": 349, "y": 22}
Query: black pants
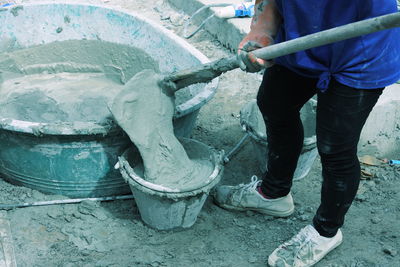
{"x": 341, "y": 114}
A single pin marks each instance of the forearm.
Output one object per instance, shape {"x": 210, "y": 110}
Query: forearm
{"x": 266, "y": 17}
{"x": 263, "y": 29}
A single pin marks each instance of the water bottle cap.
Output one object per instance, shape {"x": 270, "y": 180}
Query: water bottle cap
{"x": 244, "y": 11}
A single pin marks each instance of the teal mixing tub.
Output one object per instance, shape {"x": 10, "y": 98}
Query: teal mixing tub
{"x": 77, "y": 158}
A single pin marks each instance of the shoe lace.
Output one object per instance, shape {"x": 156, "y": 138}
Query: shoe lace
{"x": 242, "y": 188}
{"x": 301, "y": 244}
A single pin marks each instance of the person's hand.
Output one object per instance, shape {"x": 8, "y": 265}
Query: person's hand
{"x": 264, "y": 25}
{"x": 254, "y": 40}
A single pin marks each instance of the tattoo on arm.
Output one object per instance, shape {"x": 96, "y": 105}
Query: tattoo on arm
{"x": 260, "y": 6}
{"x": 266, "y": 16}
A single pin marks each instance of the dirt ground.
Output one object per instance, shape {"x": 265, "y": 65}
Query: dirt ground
{"x": 112, "y": 233}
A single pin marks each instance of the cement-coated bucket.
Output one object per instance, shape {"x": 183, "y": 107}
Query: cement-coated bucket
{"x": 165, "y": 208}
{"x": 253, "y": 123}
{"x": 76, "y": 159}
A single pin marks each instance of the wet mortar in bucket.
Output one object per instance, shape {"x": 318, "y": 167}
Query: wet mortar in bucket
{"x": 166, "y": 208}
{"x": 37, "y": 88}
{"x": 48, "y": 83}
{"x": 68, "y": 144}
{"x": 57, "y": 133}
{"x": 53, "y": 86}
{"x": 171, "y": 186}
{"x": 57, "y": 82}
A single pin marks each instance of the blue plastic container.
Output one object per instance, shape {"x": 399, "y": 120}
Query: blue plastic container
{"x": 77, "y": 159}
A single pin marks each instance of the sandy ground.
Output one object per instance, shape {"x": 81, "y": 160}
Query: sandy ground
{"x": 112, "y": 233}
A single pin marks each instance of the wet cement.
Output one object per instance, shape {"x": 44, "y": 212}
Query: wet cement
{"x": 62, "y": 97}
{"x": 144, "y": 110}
{"x": 66, "y": 81}
{"x": 76, "y": 81}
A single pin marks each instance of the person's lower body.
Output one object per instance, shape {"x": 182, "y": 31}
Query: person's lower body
{"x": 341, "y": 114}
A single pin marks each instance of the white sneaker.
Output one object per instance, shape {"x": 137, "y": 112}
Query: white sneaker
{"x": 246, "y": 197}
{"x": 304, "y": 249}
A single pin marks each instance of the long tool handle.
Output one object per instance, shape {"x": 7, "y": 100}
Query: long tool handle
{"x": 207, "y": 72}
{"x": 62, "y": 201}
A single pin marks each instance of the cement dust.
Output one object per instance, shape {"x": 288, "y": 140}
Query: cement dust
{"x": 145, "y": 113}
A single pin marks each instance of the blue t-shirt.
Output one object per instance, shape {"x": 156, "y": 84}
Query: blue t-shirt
{"x": 366, "y": 62}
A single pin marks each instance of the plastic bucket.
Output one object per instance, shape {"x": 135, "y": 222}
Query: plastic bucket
{"x": 76, "y": 159}
{"x": 169, "y": 208}
{"x": 304, "y": 164}
{"x": 253, "y": 124}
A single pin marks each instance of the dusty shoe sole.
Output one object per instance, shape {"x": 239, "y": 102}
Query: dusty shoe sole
{"x": 263, "y": 211}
